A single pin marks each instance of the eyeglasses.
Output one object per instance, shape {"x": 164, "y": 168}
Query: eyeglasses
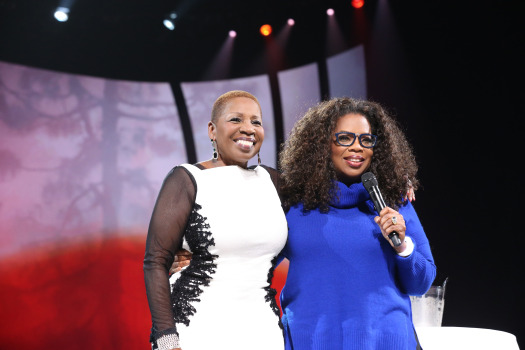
{"x": 345, "y": 138}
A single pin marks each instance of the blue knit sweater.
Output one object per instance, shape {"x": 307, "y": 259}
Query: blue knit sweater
{"x": 346, "y": 286}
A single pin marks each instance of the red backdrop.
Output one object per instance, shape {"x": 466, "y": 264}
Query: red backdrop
{"x": 83, "y": 296}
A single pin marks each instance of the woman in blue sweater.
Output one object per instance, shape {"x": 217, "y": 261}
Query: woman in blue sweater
{"x": 355, "y": 293}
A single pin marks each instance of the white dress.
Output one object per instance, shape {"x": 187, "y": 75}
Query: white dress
{"x": 237, "y": 228}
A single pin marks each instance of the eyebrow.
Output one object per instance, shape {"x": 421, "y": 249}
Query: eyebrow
{"x": 251, "y": 116}
{"x": 358, "y": 133}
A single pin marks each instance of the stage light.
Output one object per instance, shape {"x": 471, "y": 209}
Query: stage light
{"x": 232, "y": 33}
{"x": 266, "y": 29}
{"x": 358, "y": 3}
{"x": 62, "y": 14}
{"x": 330, "y": 12}
{"x": 291, "y": 22}
{"x": 169, "y": 20}
{"x": 168, "y": 24}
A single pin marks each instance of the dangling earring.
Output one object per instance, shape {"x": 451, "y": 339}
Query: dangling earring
{"x": 215, "y": 153}
{"x": 258, "y": 158}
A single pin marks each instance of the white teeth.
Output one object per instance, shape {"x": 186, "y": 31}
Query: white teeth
{"x": 245, "y": 143}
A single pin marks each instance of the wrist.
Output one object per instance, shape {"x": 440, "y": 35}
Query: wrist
{"x": 168, "y": 341}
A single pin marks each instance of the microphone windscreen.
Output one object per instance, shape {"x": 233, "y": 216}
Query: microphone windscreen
{"x": 369, "y": 180}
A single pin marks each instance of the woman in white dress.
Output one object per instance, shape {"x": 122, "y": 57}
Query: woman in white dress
{"x": 229, "y": 216}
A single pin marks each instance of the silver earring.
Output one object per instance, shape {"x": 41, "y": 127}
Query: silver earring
{"x": 215, "y": 153}
{"x": 258, "y": 158}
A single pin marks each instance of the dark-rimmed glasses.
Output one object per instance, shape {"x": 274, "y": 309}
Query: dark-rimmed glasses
{"x": 345, "y": 138}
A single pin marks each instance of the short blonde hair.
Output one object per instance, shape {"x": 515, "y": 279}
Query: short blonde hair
{"x": 221, "y": 101}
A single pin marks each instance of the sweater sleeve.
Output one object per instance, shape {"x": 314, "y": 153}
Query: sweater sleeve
{"x": 417, "y": 271}
{"x": 166, "y": 229}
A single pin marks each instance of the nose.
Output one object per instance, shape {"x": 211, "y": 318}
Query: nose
{"x": 356, "y": 146}
{"x": 247, "y": 128}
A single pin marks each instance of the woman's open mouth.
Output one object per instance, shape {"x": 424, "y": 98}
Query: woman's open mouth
{"x": 245, "y": 143}
{"x": 354, "y": 161}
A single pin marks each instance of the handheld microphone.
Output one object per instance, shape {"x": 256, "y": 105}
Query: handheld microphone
{"x": 370, "y": 182}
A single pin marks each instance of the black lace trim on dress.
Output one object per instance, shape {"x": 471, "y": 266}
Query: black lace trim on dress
{"x": 271, "y": 293}
{"x": 187, "y": 288}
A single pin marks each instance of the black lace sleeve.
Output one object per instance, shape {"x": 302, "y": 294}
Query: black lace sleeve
{"x": 166, "y": 229}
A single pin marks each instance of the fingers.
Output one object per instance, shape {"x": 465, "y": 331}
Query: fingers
{"x": 389, "y": 221}
{"x": 411, "y": 195}
{"x": 178, "y": 265}
{"x": 181, "y": 259}
{"x": 174, "y": 270}
{"x": 183, "y": 255}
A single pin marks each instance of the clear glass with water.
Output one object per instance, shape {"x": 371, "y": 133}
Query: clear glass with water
{"x": 427, "y": 310}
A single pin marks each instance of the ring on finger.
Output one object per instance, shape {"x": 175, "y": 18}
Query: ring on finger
{"x": 394, "y": 220}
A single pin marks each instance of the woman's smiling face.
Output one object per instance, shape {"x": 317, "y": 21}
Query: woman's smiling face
{"x": 350, "y": 162}
{"x": 238, "y": 131}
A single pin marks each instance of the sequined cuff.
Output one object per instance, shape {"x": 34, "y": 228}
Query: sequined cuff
{"x": 168, "y": 342}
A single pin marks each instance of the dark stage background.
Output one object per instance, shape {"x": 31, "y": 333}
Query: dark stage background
{"x": 452, "y": 72}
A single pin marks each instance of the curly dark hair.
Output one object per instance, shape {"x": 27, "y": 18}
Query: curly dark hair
{"x": 305, "y": 160}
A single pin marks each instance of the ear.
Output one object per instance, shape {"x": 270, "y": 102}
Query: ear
{"x": 211, "y": 130}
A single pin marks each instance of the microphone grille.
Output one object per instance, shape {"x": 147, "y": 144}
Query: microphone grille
{"x": 369, "y": 180}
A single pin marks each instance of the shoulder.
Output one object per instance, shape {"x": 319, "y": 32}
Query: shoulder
{"x": 180, "y": 176}
{"x": 179, "y": 172}
{"x": 275, "y": 176}
{"x": 298, "y": 210}
{"x": 407, "y": 210}
{"x": 272, "y": 171}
